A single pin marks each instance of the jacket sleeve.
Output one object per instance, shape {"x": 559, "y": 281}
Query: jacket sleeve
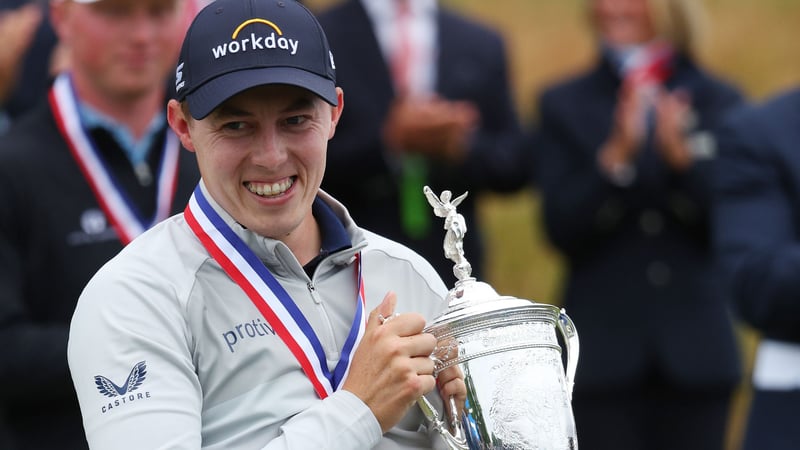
{"x": 712, "y": 99}
{"x": 756, "y": 222}
{"x": 130, "y": 360}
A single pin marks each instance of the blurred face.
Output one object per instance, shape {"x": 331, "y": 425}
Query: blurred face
{"x": 622, "y": 22}
{"x": 121, "y": 48}
{"x": 262, "y": 155}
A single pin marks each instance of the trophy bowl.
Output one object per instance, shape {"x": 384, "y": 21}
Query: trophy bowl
{"x": 519, "y": 388}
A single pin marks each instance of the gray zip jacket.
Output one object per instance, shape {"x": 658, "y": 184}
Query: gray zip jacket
{"x": 166, "y": 351}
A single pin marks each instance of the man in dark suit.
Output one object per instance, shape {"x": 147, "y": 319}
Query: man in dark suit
{"x": 428, "y": 102}
{"x": 757, "y": 225}
{"x": 84, "y": 172}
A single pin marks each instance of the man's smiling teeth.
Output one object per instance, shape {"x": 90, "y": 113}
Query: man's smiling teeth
{"x": 270, "y": 189}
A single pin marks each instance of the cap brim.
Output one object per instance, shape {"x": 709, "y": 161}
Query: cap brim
{"x": 212, "y": 93}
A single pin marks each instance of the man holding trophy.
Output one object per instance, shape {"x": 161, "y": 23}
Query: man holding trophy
{"x": 263, "y": 317}
{"x": 258, "y": 317}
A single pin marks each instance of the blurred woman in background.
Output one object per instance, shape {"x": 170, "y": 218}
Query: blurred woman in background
{"x": 623, "y": 156}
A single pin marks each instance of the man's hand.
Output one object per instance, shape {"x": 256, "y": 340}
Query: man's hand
{"x": 627, "y": 132}
{"x": 431, "y": 126}
{"x": 451, "y": 384}
{"x": 391, "y": 367}
{"x": 673, "y": 111}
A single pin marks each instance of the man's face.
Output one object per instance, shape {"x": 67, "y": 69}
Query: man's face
{"x": 622, "y": 22}
{"x": 262, "y": 155}
{"x": 123, "y": 48}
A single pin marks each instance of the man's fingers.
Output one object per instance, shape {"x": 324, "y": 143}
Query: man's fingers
{"x": 423, "y": 365}
{"x": 385, "y": 309}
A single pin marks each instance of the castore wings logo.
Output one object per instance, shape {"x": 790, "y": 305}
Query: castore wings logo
{"x": 135, "y": 379}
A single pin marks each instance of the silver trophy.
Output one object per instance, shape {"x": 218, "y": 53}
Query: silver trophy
{"x": 519, "y": 391}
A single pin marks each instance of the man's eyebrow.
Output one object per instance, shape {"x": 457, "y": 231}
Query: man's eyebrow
{"x": 227, "y": 110}
{"x": 300, "y": 103}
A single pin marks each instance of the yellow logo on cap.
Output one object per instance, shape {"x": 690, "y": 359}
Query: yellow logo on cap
{"x": 256, "y": 40}
{"x": 248, "y": 22}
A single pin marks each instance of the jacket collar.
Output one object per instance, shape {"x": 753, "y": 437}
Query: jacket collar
{"x": 345, "y": 237}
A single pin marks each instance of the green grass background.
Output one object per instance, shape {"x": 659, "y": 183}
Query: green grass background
{"x": 755, "y": 44}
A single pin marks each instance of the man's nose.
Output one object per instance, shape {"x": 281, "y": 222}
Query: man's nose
{"x": 270, "y": 149}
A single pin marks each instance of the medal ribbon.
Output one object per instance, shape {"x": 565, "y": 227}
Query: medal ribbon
{"x": 272, "y": 300}
{"x": 123, "y": 214}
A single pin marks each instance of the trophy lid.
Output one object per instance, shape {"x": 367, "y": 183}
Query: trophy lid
{"x": 473, "y": 303}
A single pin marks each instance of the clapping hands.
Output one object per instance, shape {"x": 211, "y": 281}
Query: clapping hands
{"x": 431, "y": 126}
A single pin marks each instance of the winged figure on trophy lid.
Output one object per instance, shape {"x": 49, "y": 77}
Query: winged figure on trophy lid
{"x": 456, "y": 228}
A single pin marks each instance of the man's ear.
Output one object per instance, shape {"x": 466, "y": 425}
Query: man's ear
{"x": 179, "y": 123}
{"x": 336, "y": 111}
{"x": 59, "y": 15}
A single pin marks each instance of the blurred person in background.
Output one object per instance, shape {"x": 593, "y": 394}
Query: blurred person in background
{"x": 21, "y": 22}
{"x": 757, "y": 233}
{"x": 428, "y": 102}
{"x": 87, "y": 170}
{"x": 33, "y": 57}
{"x": 624, "y": 153}
{"x": 25, "y": 65}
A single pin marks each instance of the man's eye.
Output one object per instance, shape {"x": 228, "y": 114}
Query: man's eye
{"x": 234, "y": 126}
{"x": 295, "y": 120}
{"x": 115, "y": 11}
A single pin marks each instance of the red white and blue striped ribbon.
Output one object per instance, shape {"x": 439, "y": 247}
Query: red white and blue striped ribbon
{"x": 272, "y": 300}
{"x": 123, "y": 214}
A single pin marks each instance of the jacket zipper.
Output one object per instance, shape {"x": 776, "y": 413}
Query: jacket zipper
{"x": 329, "y": 344}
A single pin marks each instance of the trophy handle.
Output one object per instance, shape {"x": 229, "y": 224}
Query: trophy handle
{"x": 570, "y": 335}
{"x": 455, "y": 441}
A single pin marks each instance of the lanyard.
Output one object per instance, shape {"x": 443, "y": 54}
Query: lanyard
{"x": 276, "y": 305}
{"x": 123, "y": 214}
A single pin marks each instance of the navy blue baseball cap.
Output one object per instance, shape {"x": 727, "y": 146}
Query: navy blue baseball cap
{"x": 234, "y": 45}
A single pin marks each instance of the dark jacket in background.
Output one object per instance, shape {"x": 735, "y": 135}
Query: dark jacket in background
{"x": 757, "y": 225}
{"x": 471, "y": 66}
{"x": 757, "y": 214}
{"x": 641, "y": 283}
{"x": 51, "y": 244}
